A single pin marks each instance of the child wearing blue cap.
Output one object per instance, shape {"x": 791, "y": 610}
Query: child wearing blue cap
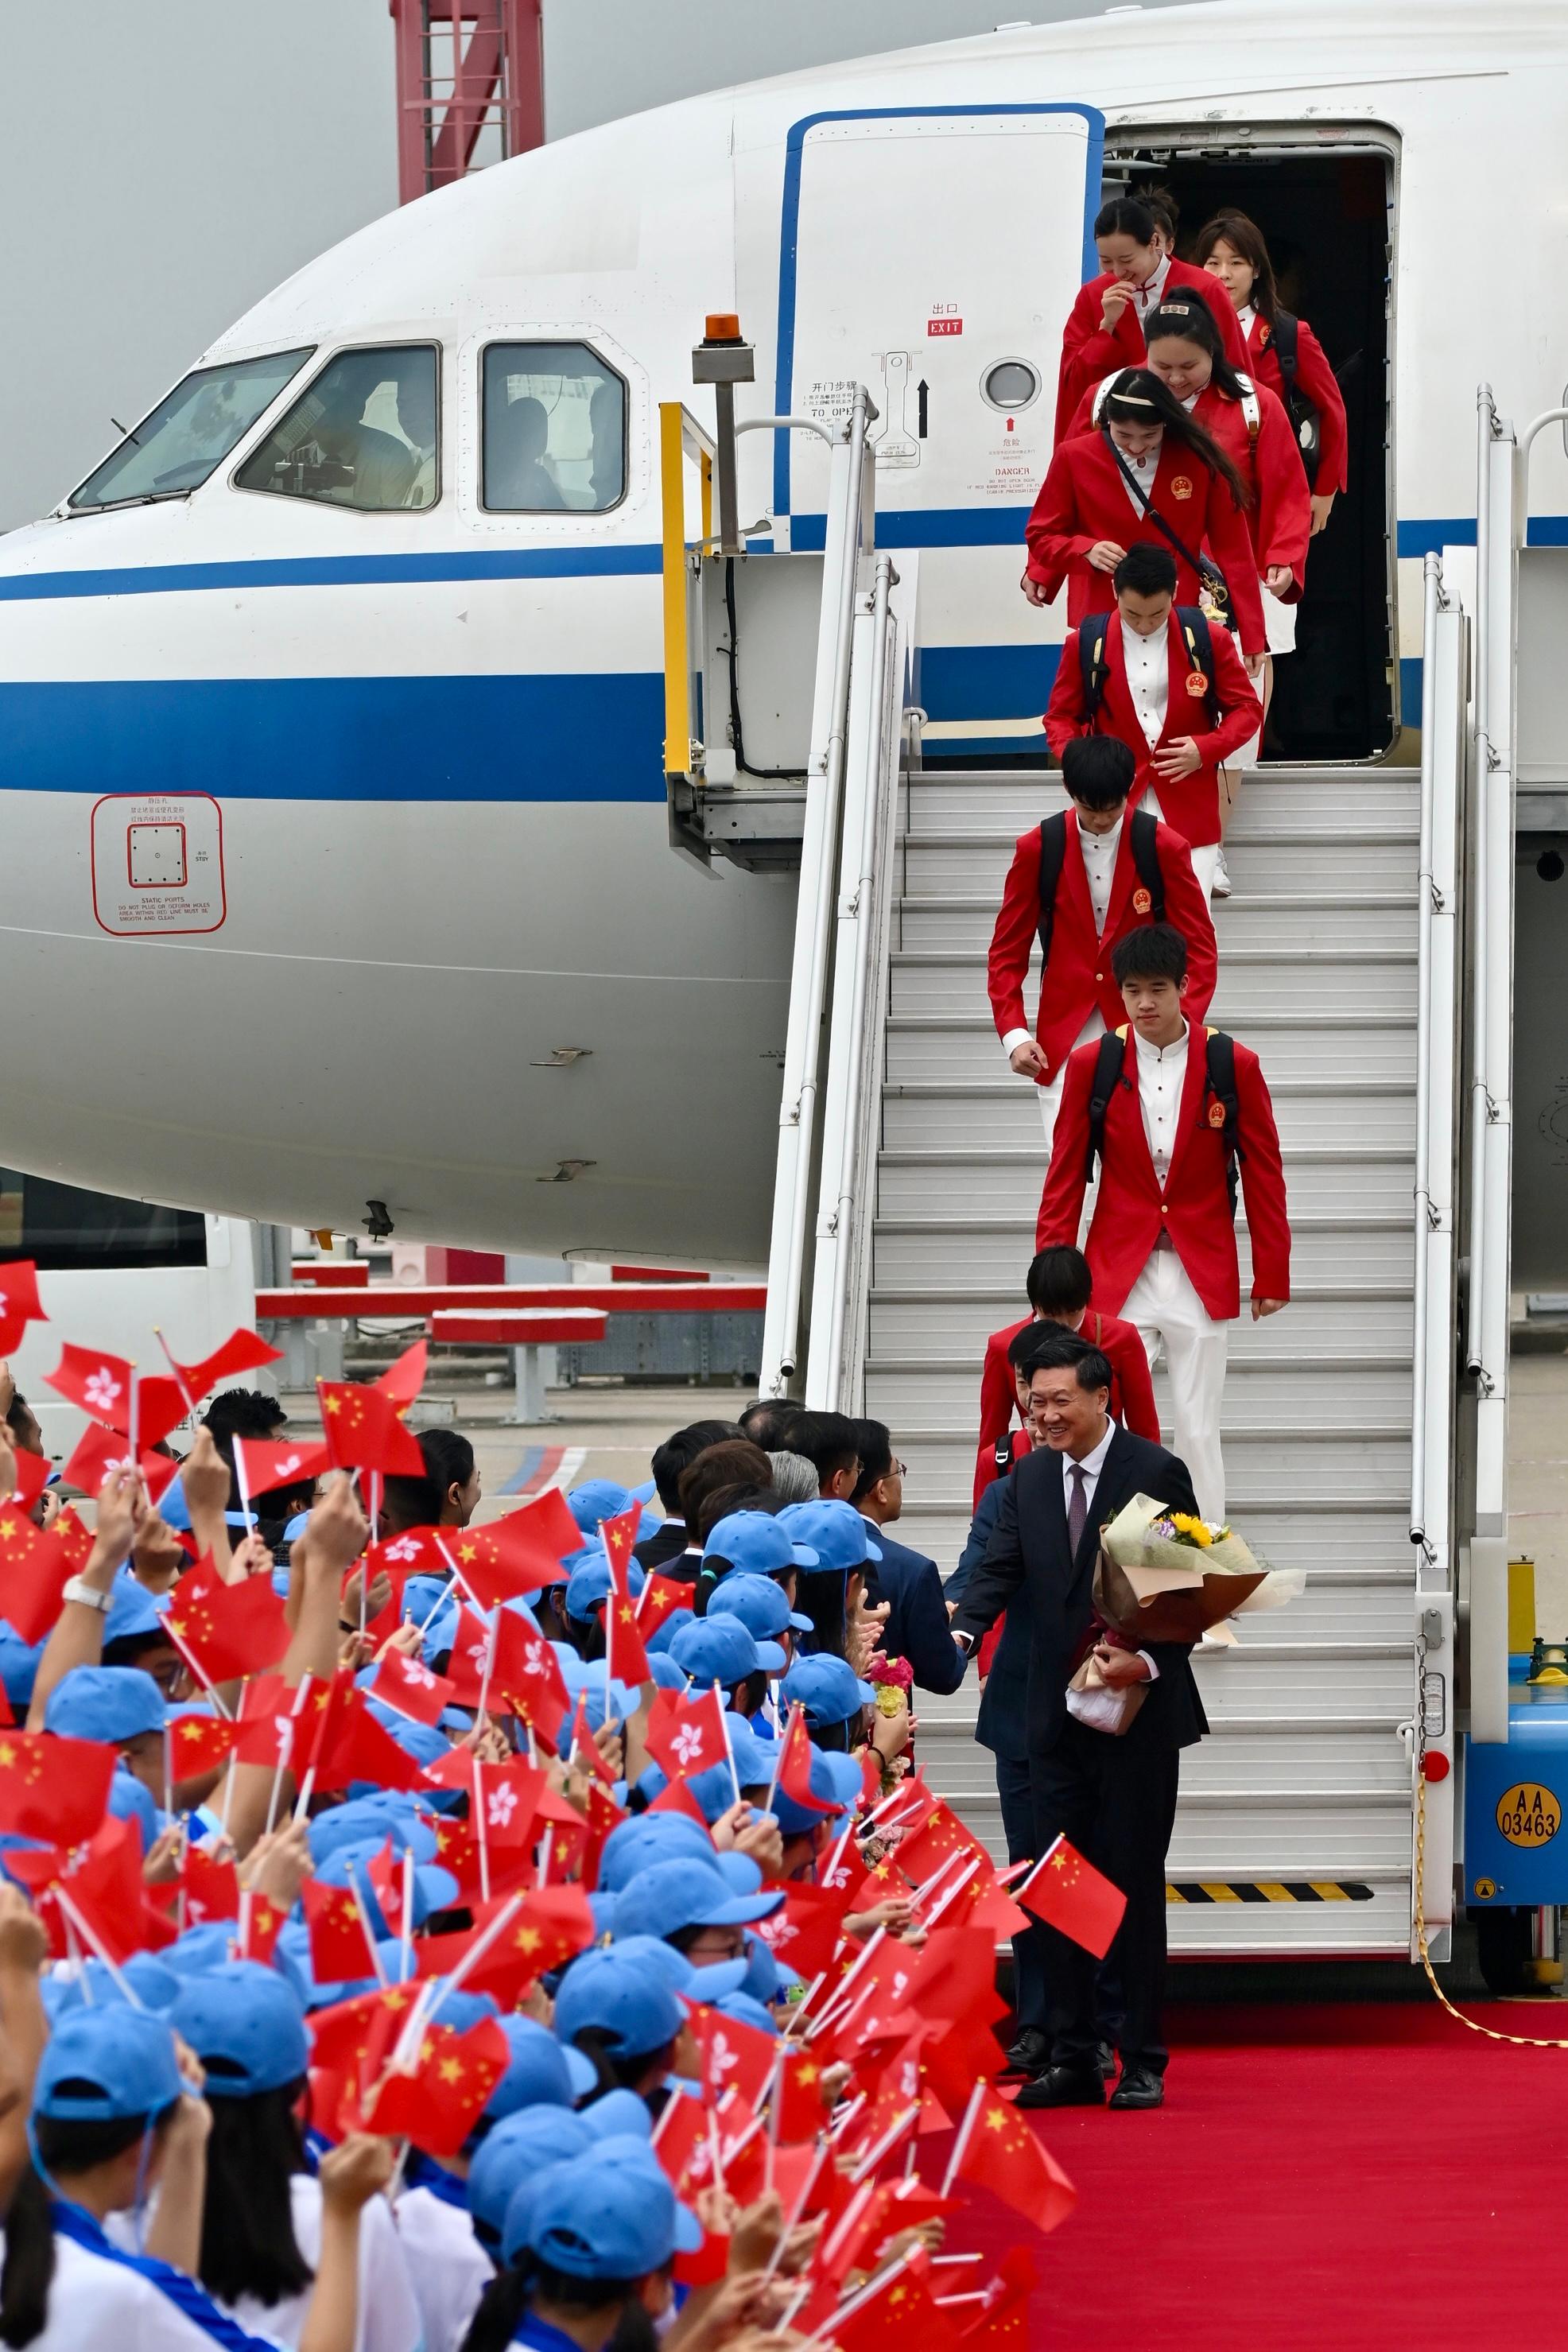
{"x": 589, "y": 2258}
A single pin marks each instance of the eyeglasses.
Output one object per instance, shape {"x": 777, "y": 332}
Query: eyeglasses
{"x": 716, "y": 1945}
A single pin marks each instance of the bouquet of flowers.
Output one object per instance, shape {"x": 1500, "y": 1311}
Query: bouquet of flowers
{"x": 1164, "y": 1576}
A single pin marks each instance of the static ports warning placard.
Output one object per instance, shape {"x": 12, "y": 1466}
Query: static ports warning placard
{"x": 157, "y": 864}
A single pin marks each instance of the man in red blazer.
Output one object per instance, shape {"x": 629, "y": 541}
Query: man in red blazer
{"x": 1162, "y": 1243}
{"x": 1058, "y": 1287}
{"x": 1174, "y": 691}
{"x": 1113, "y": 875}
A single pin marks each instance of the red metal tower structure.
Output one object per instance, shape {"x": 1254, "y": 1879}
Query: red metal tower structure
{"x": 470, "y": 77}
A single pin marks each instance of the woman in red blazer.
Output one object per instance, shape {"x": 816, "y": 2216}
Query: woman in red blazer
{"x": 1231, "y": 248}
{"x": 1105, "y": 326}
{"x": 1086, "y": 515}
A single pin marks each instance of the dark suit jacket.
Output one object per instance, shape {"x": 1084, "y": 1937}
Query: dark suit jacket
{"x": 917, "y": 1625}
{"x": 1028, "y": 1554}
{"x": 666, "y": 1543}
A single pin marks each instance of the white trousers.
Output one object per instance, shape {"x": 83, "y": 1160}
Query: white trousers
{"x": 1051, "y": 1095}
{"x": 1205, "y": 861}
{"x": 1166, "y": 1309}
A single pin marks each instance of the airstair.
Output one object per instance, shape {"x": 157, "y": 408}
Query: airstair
{"x": 909, "y": 1175}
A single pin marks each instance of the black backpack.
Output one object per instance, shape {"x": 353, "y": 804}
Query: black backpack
{"x": 1303, "y": 415}
{"x": 1219, "y": 1083}
{"x": 1053, "y": 849}
{"x": 1093, "y": 668}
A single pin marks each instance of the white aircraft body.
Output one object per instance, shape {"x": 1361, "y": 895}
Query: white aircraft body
{"x": 337, "y": 864}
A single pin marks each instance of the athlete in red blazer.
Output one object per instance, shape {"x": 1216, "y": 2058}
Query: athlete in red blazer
{"x": 1131, "y": 1212}
{"x": 1232, "y": 248}
{"x": 1077, "y": 978}
{"x": 1131, "y": 1389}
{"x": 1104, "y": 329}
{"x": 1084, "y": 521}
{"x": 1190, "y": 801}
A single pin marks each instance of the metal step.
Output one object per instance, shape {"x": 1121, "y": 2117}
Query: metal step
{"x": 1295, "y": 924}
{"x": 1280, "y": 1393}
{"x": 1366, "y": 859}
{"x": 1369, "y": 1049}
{"x": 1255, "y": 986}
{"x": 949, "y": 802}
{"x": 935, "y": 1184}
{"x": 964, "y": 1249}
{"x": 981, "y": 1113}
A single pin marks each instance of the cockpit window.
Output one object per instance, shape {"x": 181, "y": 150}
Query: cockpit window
{"x": 366, "y": 434}
{"x": 192, "y": 429}
{"x": 555, "y": 429}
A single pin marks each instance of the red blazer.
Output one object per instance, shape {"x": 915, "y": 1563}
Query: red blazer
{"x": 1131, "y": 1212}
{"x": 1192, "y": 804}
{"x": 1279, "y": 519}
{"x": 1078, "y": 975}
{"x": 1083, "y": 499}
{"x": 1089, "y": 352}
{"x": 1131, "y": 1389}
{"x": 1314, "y": 377}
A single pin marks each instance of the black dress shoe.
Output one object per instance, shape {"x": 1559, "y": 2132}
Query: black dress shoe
{"x": 1140, "y": 2088}
{"x": 1030, "y": 2052}
{"x": 1064, "y": 2087}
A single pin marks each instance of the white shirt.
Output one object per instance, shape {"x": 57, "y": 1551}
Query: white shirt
{"x": 1162, "y": 1074}
{"x": 389, "y": 2315}
{"x": 450, "y": 2268}
{"x": 1152, "y": 290}
{"x": 1148, "y": 665}
{"x": 1143, "y": 471}
{"x": 1098, "y": 865}
{"x": 94, "y": 2305}
{"x": 1243, "y": 318}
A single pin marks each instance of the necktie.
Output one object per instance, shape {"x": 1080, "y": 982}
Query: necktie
{"x": 1078, "y": 1505}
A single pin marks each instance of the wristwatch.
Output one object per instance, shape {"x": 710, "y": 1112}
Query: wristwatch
{"x": 77, "y": 1588}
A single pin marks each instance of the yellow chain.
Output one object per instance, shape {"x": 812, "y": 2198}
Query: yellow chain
{"x": 1518, "y": 2040}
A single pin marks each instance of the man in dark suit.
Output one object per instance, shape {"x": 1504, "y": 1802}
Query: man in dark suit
{"x": 1113, "y": 1795}
{"x": 672, "y": 1536}
{"x": 910, "y": 1584}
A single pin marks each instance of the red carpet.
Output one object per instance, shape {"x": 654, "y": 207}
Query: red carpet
{"x": 1323, "y": 2179}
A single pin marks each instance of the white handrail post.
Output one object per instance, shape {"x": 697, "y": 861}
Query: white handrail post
{"x": 814, "y": 914}
{"x": 1432, "y": 600}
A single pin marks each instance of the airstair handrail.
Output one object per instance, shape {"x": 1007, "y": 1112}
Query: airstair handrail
{"x": 850, "y": 504}
{"x": 680, "y": 438}
{"x": 848, "y": 1128}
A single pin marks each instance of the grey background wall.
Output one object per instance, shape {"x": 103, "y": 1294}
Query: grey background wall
{"x": 162, "y": 164}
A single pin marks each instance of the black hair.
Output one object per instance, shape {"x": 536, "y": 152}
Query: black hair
{"x": 29, "y": 2269}
{"x": 680, "y": 1450}
{"x": 505, "y": 2302}
{"x": 822, "y": 1594}
{"x": 1153, "y": 952}
{"x": 874, "y": 1441}
{"x": 829, "y": 1442}
{"x": 723, "y": 1500}
{"x": 1059, "y": 1281}
{"x": 733, "y": 1462}
{"x": 1125, "y": 217}
{"x": 769, "y": 1424}
{"x": 616, "y": 2069}
{"x": 19, "y": 1413}
{"x": 1162, "y": 208}
{"x": 1136, "y": 391}
{"x": 419, "y": 1502}
{"x": 1147, "y": 569}
{"x": 248, "y": 2246}
{"x": 1098, "y": 771}
{"x": 1240, "y": 230}
{"x": 1186, "y": 318}
{"x": 1064, "y": 1351}
{"x": 242, "y": 1413}
{"x": 126, "y": 1649}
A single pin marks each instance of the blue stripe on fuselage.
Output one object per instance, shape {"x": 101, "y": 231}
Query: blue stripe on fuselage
{"x": 568, "y": 737}
{"x": 336, "y": 571}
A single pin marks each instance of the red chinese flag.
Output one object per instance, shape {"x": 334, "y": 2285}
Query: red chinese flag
{"x": 733, "y": 2056}
{"x": 211, "y": 1888}
{"x": 242, "y": 1351}
{"x": 1002, "y": 2153}
{"x": 690, "y": 1736}
{"x": 261, "y": 1922}
{"x": 1001, "y": 2324}
{"x": 899, "y": 2306}
{"x": 101, "y": 1451}
{"x": 806, "y": 1932}
{"x": 340, "y": 1947}
{"x": 554, "y": 1923}
{"x": 604, "y": 1817}
{"x": 74, "y": 1536}
{"x": 660, "y": 1599}
{"x": 520, "y": 1553}
{"x": 19, "y": 1304}
{"x": 32, "y": 1570}
{"x": 53, "y": 1789}
{"x": 625, "y": 1657}
{"x": 412, "y": 1688}
{"x": 528, "y": 1676}
{"x": 105, "y": 1884}
{"x": 354, "y": 1746}
{"x": 269, "y": 1732}
{"x": 200, "y": 1743}
{"x": 675, "y": 1797}
{"x": 341, "y": 2035}
{"x": 264, "y": 1463}
{"x": 403, "y": 1380}
{"x": 583, "y": 1749}
{"x": 795, "y": 1766}
{"x": 1069, "y": 1894}
{"x": 229, "y": 1630}
{"x": 438, "y": 2104}
{"x": 938, "y": 1839}
{"x": 619, "y": 1538}
{"x": 362, "y": 1432}
{"x": 798, "y": 2108}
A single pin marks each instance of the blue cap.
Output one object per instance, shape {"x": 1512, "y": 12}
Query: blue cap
{"x": 459, "y": 2009}
{"x": 746, "y": 2012}
{"x": 589, "y": 1583}
{"x": 827, "y": 1688}
{"x": 674, "y": 1970}
{"x": 540, "y": 2071}
{"x": 19, "y": 1664}
{"x": 836, "y": 1779}
{"x": 597, "y": 1500}
{"x": 593, "y": 2220}
{"x": 762, "y": 1606}
{"x": 620, "y": 2114}
{"x": 155, "y": 1986}
{"x": 590, "y": 1676}
{"x": 108, "y": 1702}
{"x": 119, "y": 2062}
{"x": 622, "y": 2001}
{"x": 130, "y": 1800}
{"x": 132, "y": 1611}
{"x": 662, "y": 1668}
{"x": 718, "y": 1648}
{"x": 176, "y": 1512}
{"x": 520, "y": 2150}
{"x": 435, "y": 1889}
{"x": 247, "y": 2026}
{"x": 390, "y": 1813}
{"x": 669, "y": 1895}
{"x": 648, "y": 1837}
{"x": 664, "y": 1633}
{"x": 836, "y": 1531}
{"x": 198, "y": 1949}
{"x": 766, "y": 1979}
{"x": 760, "y": 1542}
